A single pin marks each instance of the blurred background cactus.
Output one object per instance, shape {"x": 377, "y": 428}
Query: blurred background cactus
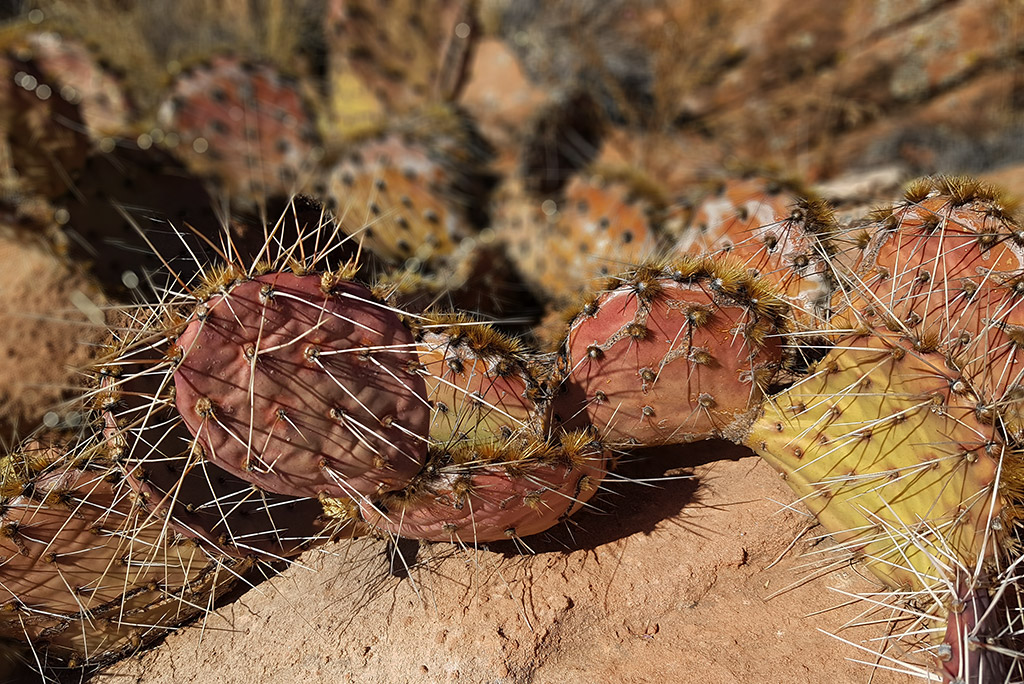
{"x": 293, "y": 281}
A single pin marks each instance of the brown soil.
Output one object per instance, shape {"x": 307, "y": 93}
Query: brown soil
{"x": 672, "y": 583}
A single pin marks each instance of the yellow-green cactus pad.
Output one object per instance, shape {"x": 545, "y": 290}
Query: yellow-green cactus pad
{"x": 876, "y": 449}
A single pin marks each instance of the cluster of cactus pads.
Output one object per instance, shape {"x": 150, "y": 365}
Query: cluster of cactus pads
{"x": 314, "y": 379}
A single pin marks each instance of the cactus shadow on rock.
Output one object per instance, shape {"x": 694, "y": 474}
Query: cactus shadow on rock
{"x": 651, "y": 487}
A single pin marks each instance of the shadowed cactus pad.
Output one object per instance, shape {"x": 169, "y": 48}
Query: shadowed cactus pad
{"x": 43, "y": 143}
{"x": 86, "y": 574}
{"x": 76, "y": 76}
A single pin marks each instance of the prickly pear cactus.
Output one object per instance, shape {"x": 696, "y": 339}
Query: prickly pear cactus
{"x": 481, "y": 384}
{"x": 245, "y": 124}
{"x": 903, "y": 439}
{"x": 910, "y": 511}
{"x": 777, "y": 230}
{"x": 604, "y": 221}
{"x": 674, "y": 352}
{"x": 726, "y": 210}
{"x": 251, "y": 411}
{"x": 507, "y": 489}
{"x": 302, "y": 385}
{"x": 74, "y": 74}
{"x": 89, "y": 575}
{"x": 407, "y": 54}
{"x": 406, "y": 190}
{"x": 943, "y": 271}
{"x": 163, "y": 462}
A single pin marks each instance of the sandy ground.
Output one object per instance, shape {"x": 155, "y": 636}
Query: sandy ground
{"x": 674, "y": 583}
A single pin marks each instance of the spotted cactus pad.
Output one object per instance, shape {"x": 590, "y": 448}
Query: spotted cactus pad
{"x": 303, "y": 390}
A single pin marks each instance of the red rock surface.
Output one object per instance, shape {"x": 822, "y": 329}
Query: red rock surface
{"x": 669, "y": 584}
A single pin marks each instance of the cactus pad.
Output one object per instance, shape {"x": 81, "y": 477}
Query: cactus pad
{"x": 875, "y": 446}
{"x": 407, "y": 190}
{"x": 943, "y": 270}
{"x": 407, "y": 53}
{"x": 774, "y": 233}
{"x": 77, "y": 78}
{"x": 166, "y": 471}
{"x": 303, "y": 386}
{"x": 725, "y": 211}
{"x": 479, "y": 383}
{"x": 245, "y": 124}
{"x": 87, "y": 575}
{"x": 43, "y": 143}
{"x": 675, "y": 353}
{"x": 497, "y": 491}
{"x": 602, "y": 225}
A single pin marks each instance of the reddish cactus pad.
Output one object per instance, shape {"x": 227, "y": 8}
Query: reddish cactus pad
{"x": 773, "y": 232}
{"x": 304, "y": 392}
{"x": 245, "y": 124}
{"x": 971, "y": 622}
{"x": 670, "y": 359}
{"x": 944, "y": 271}
{"x": 172, "y": 482}
{"x": 734, "y": 210}
{"x": 79, "y": 79}
{"x": 500, "y": 491}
